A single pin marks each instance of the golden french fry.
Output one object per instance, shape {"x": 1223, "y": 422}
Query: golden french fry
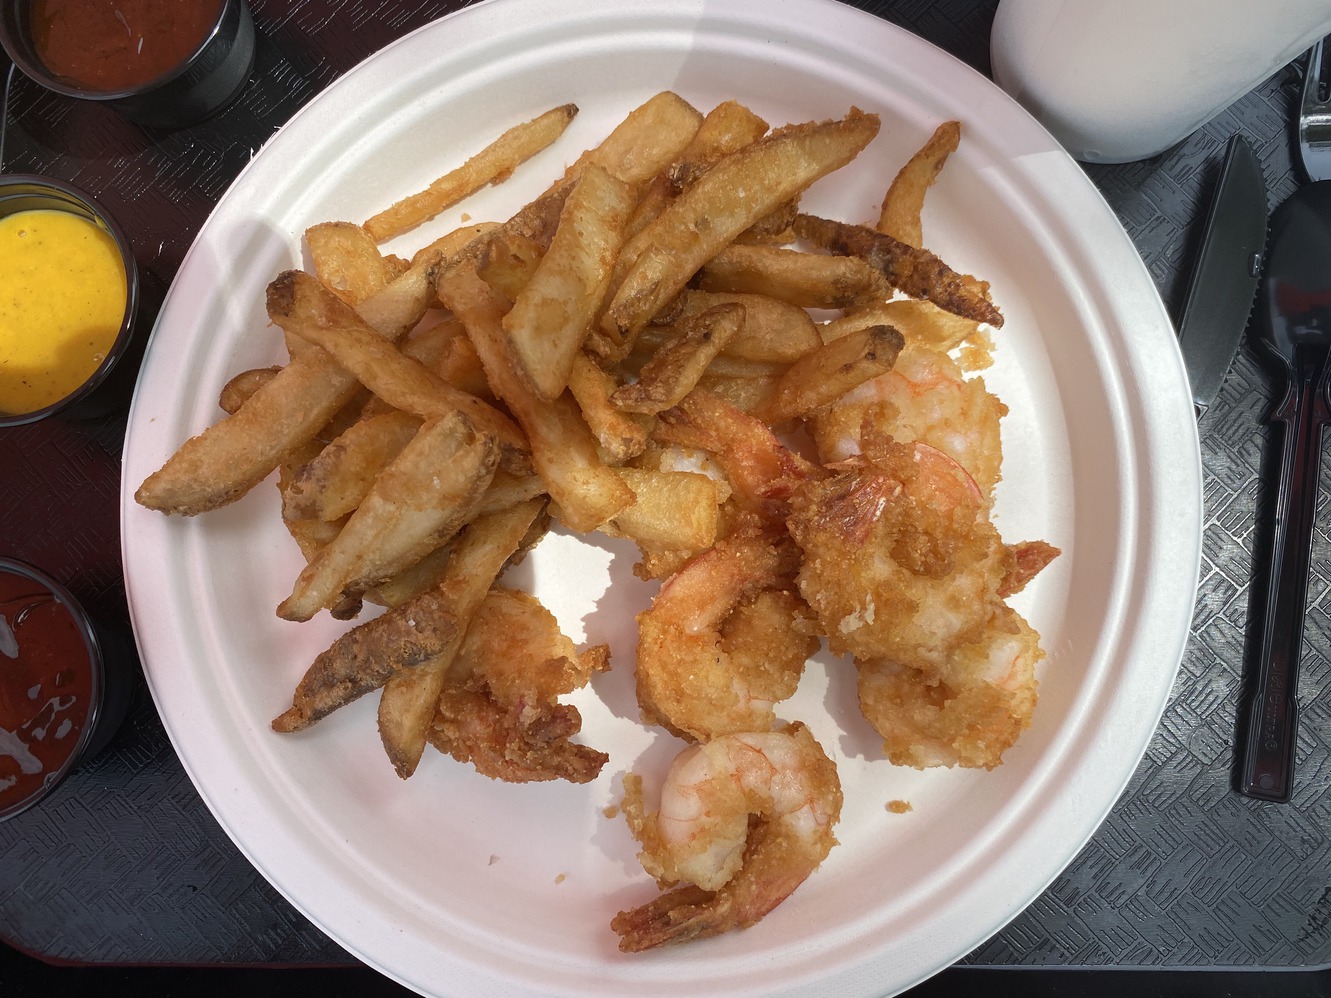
{"x": 461, "y": 367}
{"x": 773, "y": 330}
{"x": 451, "y": 243}
{"x": 831, "y": 371}
{"x": 915, "y": 271}
{"x": 409, "y": 698}
{"x": 805, "y": 280}
{"x": 416, "y": 503}
{"x": 919, "y": 321}
{"x": 415, "y": 579}
{"x": 621, "y": 436}
{"x": 535, "y": 221}
{"x": 777, "y": 227}
{"x": 493, "y": 163}
{"x": 727, "y": 128}
{"x": 332, "y": 483}
{"x": 677, "y": 510}
{"x": 563, "y": 449}
{"x": 745, "y": 394}
{"x": 299, "y": 304}
{"x": 367, "y": 656}
{"x": 432, "y": 338}
{"x": 553, "y": 313}
{"x": 708, "y": 216}
{"x": 740, "y": 367}
{"x": 649, "y": 138}
{"x": 347, "y": 261}
{"x": 510, "y": 261}
{"x": 230, "y": 457}
{"x": 310, "y": 535}
{"x": 238, "y": 390}
{"x": 504, "y": 492}
{"x": 904, "y": 201}
{"x": 507, "y": 490}
{"x": 677, "y": 365}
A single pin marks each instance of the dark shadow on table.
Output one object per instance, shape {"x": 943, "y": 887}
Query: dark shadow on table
{"x": 22, "y": 975}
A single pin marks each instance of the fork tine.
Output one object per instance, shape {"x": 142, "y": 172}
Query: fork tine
{"x": 1315, "y": 116}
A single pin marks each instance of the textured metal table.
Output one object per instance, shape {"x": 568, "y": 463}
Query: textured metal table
{"x": 126, "y": 865}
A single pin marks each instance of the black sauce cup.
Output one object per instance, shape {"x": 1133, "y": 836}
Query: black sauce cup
{"x": 111, "y": 686}
{"x": 209, "y": 79}
{"x": 111, "y": 384}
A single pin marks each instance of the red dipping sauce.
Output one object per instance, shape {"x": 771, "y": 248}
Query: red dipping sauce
{"x": 115, "y": 45}
{"x": 46, "y": 689}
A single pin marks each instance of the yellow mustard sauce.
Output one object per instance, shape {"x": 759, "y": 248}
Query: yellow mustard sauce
{"x": 62, "y": 301}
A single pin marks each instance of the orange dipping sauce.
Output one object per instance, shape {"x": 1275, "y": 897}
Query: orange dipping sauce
{"x": 115, "y": 45}
{"x": 46, "y": 687}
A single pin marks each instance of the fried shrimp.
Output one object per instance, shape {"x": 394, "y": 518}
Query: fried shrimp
{"x": 499, "y": 709}
{"x": 969, "y": 712}
{"x": 744, "y": 819}
{"x": 901, "y": 561}
{"x": 725, "y": 639}
{"x": 759, "y": 467}
{"x": 925, "y": 398}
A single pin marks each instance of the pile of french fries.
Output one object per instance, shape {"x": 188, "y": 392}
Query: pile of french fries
{"x": 437, "y": 413}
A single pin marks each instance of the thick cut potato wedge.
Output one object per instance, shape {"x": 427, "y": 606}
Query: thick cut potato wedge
{"x": 678, "y": 363}
{"x": 919, "y": 321}
{"x": 621, "y": 435}
{"x": 678, "y": 510}
{"x": 831, "y": 371}
{"x": 238, "y": 390}
{"x": 416, "y": 503}
{"x": 563, "y": 448}
{"x": 727, "y": 128}
{"x": 709, "y": 215}
{"x": 805, "y": 280}
{"x": 333, "y": 483}
{"x": 347, "y": 260}
{"x": 553, "y": 313}
{"x": 649, "y": 138}
{"x": 410, "y": 698}
{"x": 300, "y": 305}
{"x": 773, "y": 331}
{"x": 229, "y": 458}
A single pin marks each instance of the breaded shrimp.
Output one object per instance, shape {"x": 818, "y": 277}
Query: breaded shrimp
{"x": 760, "y": 468}
{"x": 725, "y": 639}
{"x": 901, "y": 561}
{"x": 499, "y": 709}
{"x": 926, "y": 398}
{"x": 967, "y": 713}
{"x": 744, "y": 819}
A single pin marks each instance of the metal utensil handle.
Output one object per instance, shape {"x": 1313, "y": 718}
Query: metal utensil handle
{"x": 1268, "y": 763}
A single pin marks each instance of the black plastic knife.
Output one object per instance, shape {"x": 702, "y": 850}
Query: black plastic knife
{"x": 1224, "y": 280}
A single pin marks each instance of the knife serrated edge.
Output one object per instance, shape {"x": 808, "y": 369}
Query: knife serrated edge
{"x": 1223, "y": 287}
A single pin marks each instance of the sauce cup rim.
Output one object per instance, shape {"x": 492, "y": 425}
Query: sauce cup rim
{"x": 16, "y": 566}
{"x": 22, "y": 52}
{"x": 61, "y": 192}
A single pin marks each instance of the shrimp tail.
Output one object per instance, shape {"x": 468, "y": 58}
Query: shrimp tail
{"x": 687, "y": 913}
{"x": 1026, "y": 560}
{"x": 677, "y": 916}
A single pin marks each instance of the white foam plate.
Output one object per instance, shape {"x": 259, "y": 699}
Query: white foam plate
{"x": 453, "y": 884}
